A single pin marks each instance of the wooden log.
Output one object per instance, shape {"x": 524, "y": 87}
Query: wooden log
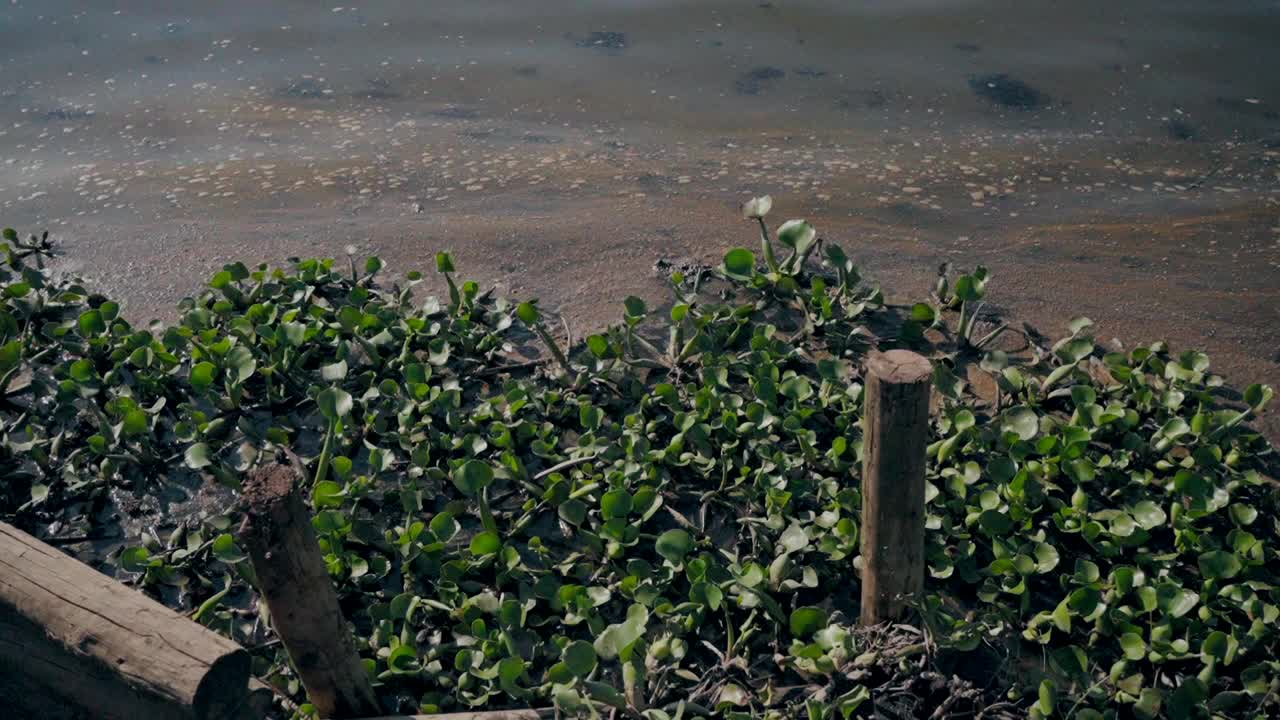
{"x": 78, "y": 643}
{"x": 543, "y": 714}
{"x": 295, "y": 585}
{"x": 895, "y": 430}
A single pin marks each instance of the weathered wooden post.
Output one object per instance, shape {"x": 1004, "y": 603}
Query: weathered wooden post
{"x": 896, "y": 431}
{"x": 75, "y": 643}
{"x": 295, "y": 585}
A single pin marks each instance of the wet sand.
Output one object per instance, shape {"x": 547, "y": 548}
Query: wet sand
{"x": 1120, "y": 163}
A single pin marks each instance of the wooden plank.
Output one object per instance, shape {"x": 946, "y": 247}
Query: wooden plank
{"x": 896, "y": 432}
{"x": 295, "y": 584}
{"x": 83, "y": 642}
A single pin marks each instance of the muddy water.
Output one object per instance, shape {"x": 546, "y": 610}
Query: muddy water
{"x": 1114, "y": 159}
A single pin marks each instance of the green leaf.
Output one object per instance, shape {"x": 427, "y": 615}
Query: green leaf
{"x": 327, "y": 493}
{"x": 10, "y": 355}
{"x": 197, "y": 456}
{"x": 674, "y": 545}
{"x": 335, "y": 372}
{"x": 486, "y": 543}
{"x": 135, "y": 559}
{"x": 1135, "y": 648}
{"x": 580, "y": 657}
{"x": 1048, "y": 697}
{"x": 1149, "y": 515}
{"x": 528, "y": 313}
{"x": 202, "y": 376}
{"x": 472, "y": 476}
{"x": 135, "y": 422}
{"x": 91, "y": 324}
{"x": 740, "y": 263}
{"x": 805, "y": 621}
{"x": 796, "y": 234}
{"x": 598, "y": 345}
{"x": 995, "y": 523}
{"x": 923, "y": 313}
{"x": 1021, "y": 421}
{"x": 1219, "y": 564}
{"x": 334, "y": 403}
{"x": 615, "y": 504}
{"x": 617, "y": 638}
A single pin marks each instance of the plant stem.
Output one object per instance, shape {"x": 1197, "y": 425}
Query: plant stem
{"x": 486, "y": 515}
{"x": 767, "y": 247}
{"x": 322, "y": 468}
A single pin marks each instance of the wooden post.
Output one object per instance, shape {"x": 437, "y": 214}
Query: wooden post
{"x": 76, "y": 643}
{"x": 896, "y": 430}
{"x": 295, "y": 585}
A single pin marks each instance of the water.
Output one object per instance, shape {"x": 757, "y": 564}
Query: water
{"x": 1112, "y": 159}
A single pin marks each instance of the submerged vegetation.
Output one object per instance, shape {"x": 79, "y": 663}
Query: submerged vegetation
{"x": 662, "y": 520}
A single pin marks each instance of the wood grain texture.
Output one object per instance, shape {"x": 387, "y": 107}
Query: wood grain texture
{"x": 895, "y": 432}
{"x": 80, "y": 644}
{"x": 299, "y": 594}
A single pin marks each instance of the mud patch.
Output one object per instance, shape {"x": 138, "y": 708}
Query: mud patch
{"x": 527, "y": 71}
{"x": 757, "y": 79}
{"x": 1006, "y": 91}
{"x": 535, "y": 139}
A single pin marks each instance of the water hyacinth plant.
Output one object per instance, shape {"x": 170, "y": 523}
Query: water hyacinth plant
{"x": 661, "y": 533}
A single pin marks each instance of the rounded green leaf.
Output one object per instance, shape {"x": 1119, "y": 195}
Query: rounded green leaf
{"x": 202, "y": 376}
{"x": 805, "y": 621}
{"x": 1022, "y": 421}
{"x": 615, "y": 504}
{"x": 580, "y": 657}
{"x": 1149, "y": 515}
{"x": 740, "y": 263}
{"x": 472, "y": 476}
{"x": 334, "y": 403}
{"x": 527, "y": 312}
{"x": 674, "y": 545}
{"x": 486, "y": 543}
{"x": 1219, "y": 564}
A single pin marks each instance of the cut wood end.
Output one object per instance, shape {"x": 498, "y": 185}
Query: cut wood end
{"x": 900, "y": 366}
{"x": 268, "y": 485}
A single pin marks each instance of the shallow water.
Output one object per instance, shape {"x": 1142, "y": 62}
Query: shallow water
{"x": 1120, "y": 160}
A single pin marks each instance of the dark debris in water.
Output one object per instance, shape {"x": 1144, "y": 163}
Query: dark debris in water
{"x": 810, "y": 71}
{"x": 378, "y": 89}
{"x": 527, "y": 71}
{"x": 1006, "y": 91}
{"x": 605, "y": 39}
{"x": 1180, "y": 129}
{"x": 67, "y": 114}
{"x": 756, "y": 79}
{"x": 536, "y": 139}
{"x": 967, "y": 47}
{"x": 304, "y": 89}
{"x": 455, "y": 112}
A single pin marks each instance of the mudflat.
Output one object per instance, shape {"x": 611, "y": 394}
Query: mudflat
{"x": 1115, "y": 160}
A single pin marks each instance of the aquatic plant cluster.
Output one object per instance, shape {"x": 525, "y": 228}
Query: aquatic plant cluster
{"x": 661, "y": 520}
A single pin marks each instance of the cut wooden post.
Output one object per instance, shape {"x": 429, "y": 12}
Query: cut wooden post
{"x": 79, "y": 644}
{"x": 295, "y": 585}
{"x": 895, "y": 430}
